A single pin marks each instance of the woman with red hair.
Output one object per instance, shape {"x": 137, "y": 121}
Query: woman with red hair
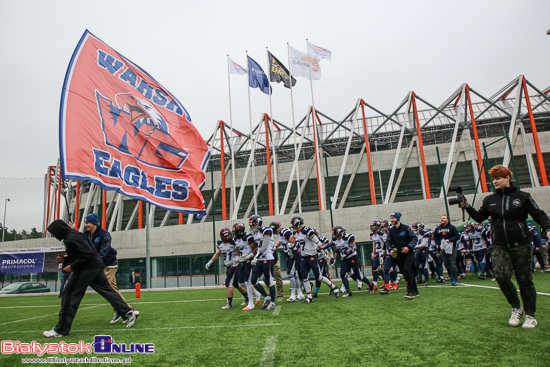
{"x": 509, "y": 208}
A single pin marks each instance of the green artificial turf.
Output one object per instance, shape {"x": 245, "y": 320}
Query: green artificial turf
{"x": 445, "y": 326}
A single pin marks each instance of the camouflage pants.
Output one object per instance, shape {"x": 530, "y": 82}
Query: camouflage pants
{"x": 519, "y": 259}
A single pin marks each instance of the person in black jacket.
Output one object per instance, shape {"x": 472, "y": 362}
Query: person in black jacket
{"x": 445, "y": 236}
{"x": 402, "y": 241}
{"x": 101, "y": 239}
{"x": 511, "y": 241}
{"x": 87, "y": 268}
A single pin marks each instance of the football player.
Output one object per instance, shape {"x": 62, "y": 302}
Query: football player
{"x": 245, "y": 244}
{"x": 323, "y": 255}
{"x": 378, "y": 251}
{"x": 308, "y": 242}
{"x": 292, "y": 254}
{"x": 346, "y": 247}
{"x": 263, "y": 260}
{"x": 390, "y": 269}
{"x": 227, "y": 248}
{"x": 421, "y": 252}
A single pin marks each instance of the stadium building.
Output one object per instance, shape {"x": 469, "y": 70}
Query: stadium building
{"x": 331, "y": 171}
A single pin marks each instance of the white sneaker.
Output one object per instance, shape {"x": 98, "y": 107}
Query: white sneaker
{"x": 54, "y": 334}
{"x": 291, "y": 299}
{"x": 516, "y": 317}
{"x": 529, "y": 323}
{"x": 244, "y": 303}
{"x": 227, "y": 306}
{"x": 301, "y": 297}
{"x": 115, "y": 319}
{"x": 131, "y": 318}
{"x": 542, "y": 271}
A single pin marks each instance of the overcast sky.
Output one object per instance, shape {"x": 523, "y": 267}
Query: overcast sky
{"x": 381, "y": 50}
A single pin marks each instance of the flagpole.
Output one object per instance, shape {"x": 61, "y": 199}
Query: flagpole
{"x": 317, "y": 150}
{"x": 273, "y": 136}
{"x": 251, "y": 145}
{"x": 296, "y": 153}
{"x": 233, "y": 193}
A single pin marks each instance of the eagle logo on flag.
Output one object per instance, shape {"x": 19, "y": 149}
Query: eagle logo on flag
{"x": 134, "y": 126}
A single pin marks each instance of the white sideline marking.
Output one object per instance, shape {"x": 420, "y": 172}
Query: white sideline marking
{"x": 277, "y": 310}
{"x": 160, "y": 328}
{"x": 486, "y": 286}
{"x": 39, "y": 317}
{"x": 133, "y": 301}
{"x": 269, "y": 351}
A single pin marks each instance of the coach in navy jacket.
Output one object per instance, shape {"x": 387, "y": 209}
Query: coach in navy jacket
{"x": 448, "y": 233}
{"x": 401, "y": 243}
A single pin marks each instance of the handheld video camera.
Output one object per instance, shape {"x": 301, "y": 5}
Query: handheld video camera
{"x": 459, "y": 199}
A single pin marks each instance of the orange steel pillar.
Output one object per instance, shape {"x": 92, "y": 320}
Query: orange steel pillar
{"x": 140, "y": 214}
{"x": 421, "y": 148}
{"x": 104, "y": 210}
{"x": 540, "y": 161}
{"x": 222, "y": 159}
{"x": 77, "y": 205}
{"x": 58, "y": 193}
{"x": 367, "y": 147}
{"x": 476, "y": 140}
{"x": 268, "y": 152}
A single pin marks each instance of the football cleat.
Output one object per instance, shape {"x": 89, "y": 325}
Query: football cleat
{"x": 227, "y": 306}
{"x": 411, "y": 295}
{"x": 257, "y": 302}
{"x": 271, "y": 306}
{"x": 394, "y": 286}
{"x": 516, "y": 317}
{"x": 336, "y": 292}
{"x": 248, "y": 308}
{"x": 529, "y": 323}
{"x": 384, "y": 291}
{"x": 266, "y": 303}
{"x": 291, "y": 299}
{"x": 301, "y": 297}
{"x": 441, "y": 280}
{"x": 308, "y": 300}
{"x": 52, "y": 334}
{"x": 359, "y": 286}
{"x": 131, "y": 318}
{"x": 116, "y": 318}
{"x": 348, "y": 294}
{"x": 425, "y": 283}
{"x": 372, "y": 288}
{"x": 245, "y": 302}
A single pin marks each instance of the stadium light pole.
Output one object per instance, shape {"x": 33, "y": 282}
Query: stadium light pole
{"x": 4, "y": 222}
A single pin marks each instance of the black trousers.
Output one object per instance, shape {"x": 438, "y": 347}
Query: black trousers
{"x": 406, "y": 264}
{"x": 74, "y": 292}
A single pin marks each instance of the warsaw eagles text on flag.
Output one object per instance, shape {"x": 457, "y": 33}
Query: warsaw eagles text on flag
{"x": 120, "y": 129}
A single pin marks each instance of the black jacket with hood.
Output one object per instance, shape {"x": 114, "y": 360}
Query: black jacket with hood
{"x": 80, "y": 251}
{"x": 509, "y": 209}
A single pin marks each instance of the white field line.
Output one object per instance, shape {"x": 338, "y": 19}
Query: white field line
{"x": 133, "y": 301}
{"x": 269, "y": 351}
{"x": 485, "y": 286}
{"x": 104, "y": 331}
{"x": 277, "y": 310}
{"x": 39, "y": 317}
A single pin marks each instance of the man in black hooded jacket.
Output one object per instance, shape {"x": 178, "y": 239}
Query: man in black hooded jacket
{"x": 87, "y": 268}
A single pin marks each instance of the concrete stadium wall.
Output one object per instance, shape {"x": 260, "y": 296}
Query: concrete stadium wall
{"x": 198, "y": 238}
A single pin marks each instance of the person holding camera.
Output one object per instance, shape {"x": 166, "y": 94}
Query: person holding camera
{"x": 511, "y": 241}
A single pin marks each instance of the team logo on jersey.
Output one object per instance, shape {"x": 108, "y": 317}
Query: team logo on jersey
{"x": 516, "y": 202}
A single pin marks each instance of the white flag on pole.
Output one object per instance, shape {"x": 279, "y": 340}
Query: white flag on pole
{"x": 300, "y": 63}
{"x": 235, "y": 68}
{"x": 318, "y": 52}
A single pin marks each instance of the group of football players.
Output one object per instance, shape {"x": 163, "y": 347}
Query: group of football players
{"x": 250, "y": 255}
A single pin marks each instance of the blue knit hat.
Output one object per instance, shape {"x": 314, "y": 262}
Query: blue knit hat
{"x": 92, "y": 219}
{"x": 396, "y": 215}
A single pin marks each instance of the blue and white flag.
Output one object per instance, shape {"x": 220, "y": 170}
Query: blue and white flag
{"x": 257, "y": 77}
